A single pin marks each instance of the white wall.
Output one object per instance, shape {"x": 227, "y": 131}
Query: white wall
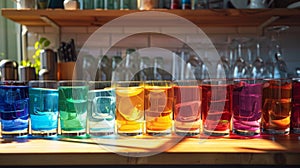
{"x": 290, "y": 39}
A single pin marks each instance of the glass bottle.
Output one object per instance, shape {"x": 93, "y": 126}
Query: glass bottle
{"x": 185, "y": 4}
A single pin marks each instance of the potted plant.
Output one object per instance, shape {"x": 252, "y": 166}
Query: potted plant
{"x": 39, "y": 45}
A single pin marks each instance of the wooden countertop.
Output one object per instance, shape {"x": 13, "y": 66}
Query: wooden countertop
{"x": 173, "y": 150}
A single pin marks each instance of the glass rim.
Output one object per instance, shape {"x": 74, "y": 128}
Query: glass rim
{"x": 13, "y": 82}
{"x": 72, "y": 83}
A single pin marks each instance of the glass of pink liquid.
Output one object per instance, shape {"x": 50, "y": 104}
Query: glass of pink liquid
{"x": 187, "y": 112}
{"x": 216, "y": 106}
{"x": 295, "y": 116}
{"x": 247, "y": 106}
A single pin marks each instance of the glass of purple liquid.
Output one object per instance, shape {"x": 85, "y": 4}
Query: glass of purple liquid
{"x": 247, "y": 106}
{"x": 295, "y": 117}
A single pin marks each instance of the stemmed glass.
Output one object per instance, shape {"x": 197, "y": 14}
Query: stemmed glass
{"x": 280, "y": 68}
{"x": 239, "y": 69}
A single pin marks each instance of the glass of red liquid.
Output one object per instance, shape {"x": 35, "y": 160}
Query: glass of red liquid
{"x": 295, "y": 116}
{"x": 187, "y": 111}
{"x": 247, "y": 106}
{"x": 216, "y": 106}
{"x": 277, "y": 94}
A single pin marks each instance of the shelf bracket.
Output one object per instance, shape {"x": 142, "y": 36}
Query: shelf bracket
{"x": 54, "y": 25}
{"x": 266, "y": 23}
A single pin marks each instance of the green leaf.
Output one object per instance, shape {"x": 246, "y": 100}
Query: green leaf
{"x": 46, "y": 43}
{"x": 42, "y": 39}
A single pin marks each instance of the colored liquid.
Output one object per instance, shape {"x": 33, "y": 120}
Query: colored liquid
{"x": 158, "y": 109}
{"x": 101, "y": 111}
{"x": 276, "y": 107}
{"x": 247, "y": 107}
{"x": 216, "y": 109}
{"x": 130, "y": 110}
{"x": 73, "y": 110}
{"x": 295, "y": 117}
{"x": 43, "y": 110}
{"x": 187, "y": 112}
{"x": 14, "y": 110}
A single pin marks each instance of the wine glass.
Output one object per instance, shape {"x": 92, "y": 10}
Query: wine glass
{"x": 280, "y": 69}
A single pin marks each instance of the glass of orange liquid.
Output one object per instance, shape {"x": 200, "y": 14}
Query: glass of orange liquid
{"x": 277, "y": 106}
{"x": 187, "y": 111}
{"x": 130, "y": 108}
{"x": 158, "y": 107}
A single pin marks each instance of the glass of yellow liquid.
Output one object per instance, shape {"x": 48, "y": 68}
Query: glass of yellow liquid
{"x": 130, "y": 108}
{"x": 159, "y": 97}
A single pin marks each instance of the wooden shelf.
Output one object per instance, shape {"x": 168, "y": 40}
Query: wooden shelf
{"x": 267, "y": 150}
{"x": 202, "y": 18}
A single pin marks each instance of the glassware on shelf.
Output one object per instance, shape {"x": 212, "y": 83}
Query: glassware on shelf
{"x": 193, "y": 67}
{"x": 127, "y": 69}
{"x": 280, "y": 69}
{"x": 258, "y": 65}
{"x": 223, "y": 65}
{"x": 144, "y": 68}
{"x": 239, "y": 68}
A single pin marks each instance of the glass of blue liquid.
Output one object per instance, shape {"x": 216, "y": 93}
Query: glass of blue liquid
{"x": 14, "y": 107}
{"x": 101, "y": 108}
{"x": 43, "y": 97}
{"x": 73, "y": 108}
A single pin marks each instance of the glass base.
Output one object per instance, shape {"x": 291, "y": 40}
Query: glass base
{"x": 215, "y": 133}
{"x": 43, "y": 134}
{"x": 245, "y": 132}
{"x": 101, "y": 133}
{"x": 277, "y": 132}
{"x": 159, "y": 133}
{"x": 186, "y": 133}
{"x": 13, "y": 134}
{"x": 130, "y": 134}
{"x": 73, "y": 134}
{"x": 296, "y": 130}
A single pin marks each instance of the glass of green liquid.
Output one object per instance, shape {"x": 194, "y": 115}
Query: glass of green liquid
{"x": 73, "y": 107}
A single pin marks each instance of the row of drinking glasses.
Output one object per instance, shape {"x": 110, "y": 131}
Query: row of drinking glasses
{"x": 130, "y": 108}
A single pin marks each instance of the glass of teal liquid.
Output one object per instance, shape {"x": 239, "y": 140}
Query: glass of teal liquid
{"x": 73, "y": 107}
{"x": 43, "y": 97}
{"x": 101, "y": 108}
{"x": 14, "y": 115}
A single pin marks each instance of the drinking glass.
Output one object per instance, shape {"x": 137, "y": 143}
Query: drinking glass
{"x": 130, "y": 108}
{"x": 187, "y": 111}
{"x": 276, "y": 106}
{"x": 14, "y": 107}
{"x": 101, "y": 108}
{"x": 73, "y": 107}
{"x": 158, "y": 107}
{"x": 43, "y": 97}
{"x": 280, "y": 69}
{"x": 247, "y": 106}
{"x": 295, "y": 116}
{"x": 216, "y": 106}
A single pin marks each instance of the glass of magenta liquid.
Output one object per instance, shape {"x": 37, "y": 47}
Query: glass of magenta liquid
{"x": 295, "y": 116}
{"x": 187, "y": 112}
{"x": 216, "y": 106}
{"x": 14, "y": 109}
{"x": 277, "y": 94}
{"x": 43, "y": 96}
{"x": 247, "y": 106}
